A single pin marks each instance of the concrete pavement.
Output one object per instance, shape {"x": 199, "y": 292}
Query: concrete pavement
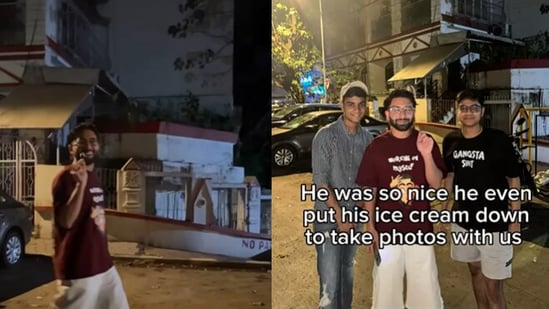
{"x": 134, "y": 252}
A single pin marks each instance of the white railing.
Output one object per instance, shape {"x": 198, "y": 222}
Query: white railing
{"x": 266, "y": 214}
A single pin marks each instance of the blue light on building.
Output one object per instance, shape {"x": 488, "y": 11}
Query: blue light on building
{"x": 312, "y": 86}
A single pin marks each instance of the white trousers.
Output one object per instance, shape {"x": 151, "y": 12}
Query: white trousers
{"x": 102, "y": 291}
{"x": 422, "y": 287}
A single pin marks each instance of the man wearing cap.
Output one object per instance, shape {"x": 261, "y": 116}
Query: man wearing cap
{"x": 482, "y": 158}
{"x": 336, "y": 153}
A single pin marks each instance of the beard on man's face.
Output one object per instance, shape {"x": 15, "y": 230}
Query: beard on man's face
{"x": 402, "y": 124}
{"x": 89, "y": 157}
{"x": 90, "y": 161}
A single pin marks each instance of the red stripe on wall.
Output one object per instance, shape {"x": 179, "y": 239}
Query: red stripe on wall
{"x": 9, "y": 84}
{"x": 22, "y": 57}
{"x": 21, "y": 48}
{"x": 58, "y": 49}
{"x": 194, "y": 226}
{"x": 10, "y": 74}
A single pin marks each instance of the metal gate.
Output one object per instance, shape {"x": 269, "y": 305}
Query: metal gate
{"x": 17, "y": 170}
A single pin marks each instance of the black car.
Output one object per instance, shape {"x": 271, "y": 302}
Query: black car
{"x": 289, "y": 112}
{"x": 293, "y": 141}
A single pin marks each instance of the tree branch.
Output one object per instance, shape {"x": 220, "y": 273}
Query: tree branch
{"x": 213, "y": 36}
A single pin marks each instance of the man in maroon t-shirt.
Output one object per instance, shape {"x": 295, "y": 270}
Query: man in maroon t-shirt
{"x": 402, "y": 160}
{"x": 83, "y": 267}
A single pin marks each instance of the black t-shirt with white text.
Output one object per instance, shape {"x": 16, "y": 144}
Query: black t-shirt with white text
{"x": 480, "y": 163}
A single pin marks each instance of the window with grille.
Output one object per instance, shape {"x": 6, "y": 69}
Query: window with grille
{"x": 491, "y": 11}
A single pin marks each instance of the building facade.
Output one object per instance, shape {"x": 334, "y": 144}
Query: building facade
{"x": 161, "y": 53}
{"x": 397, "y": 32}
{"x": 150, "y": 53}
{"x": 60, "y": 33}
{"x": 426, "y": 46}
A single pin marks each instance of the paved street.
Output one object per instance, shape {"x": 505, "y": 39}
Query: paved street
{"x": 149, "y": 282}
{"x": 295, "y": 281}
{"x": 34, "y": 271}
{"x": 169, "y": 286}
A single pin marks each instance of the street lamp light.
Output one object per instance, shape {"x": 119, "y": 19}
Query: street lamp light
{"x": 323, "y": 55}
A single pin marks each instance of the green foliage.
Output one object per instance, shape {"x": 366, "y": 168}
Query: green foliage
{"x": 203, "y": 118}
{"x": 190, "y": 110}
{"x": 338, "y": 79}
{"x": 195, "y": 15}
{"x": 189, "y": 113}
{"x": 293, "y": 50}
{"x": 492, "y": 54}
{"x": 537, "y": 46}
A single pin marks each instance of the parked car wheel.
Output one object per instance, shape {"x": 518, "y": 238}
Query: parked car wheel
{"x": 284, "y": 156}
{"x": 12, "y": 249}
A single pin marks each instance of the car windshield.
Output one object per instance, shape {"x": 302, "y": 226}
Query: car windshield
{"x": 284, "y": 111}
{"x": 296, "y": 122}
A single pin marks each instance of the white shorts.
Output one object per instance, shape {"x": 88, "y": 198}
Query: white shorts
{"x": 103, "y": 291}
{"x": 495, "y": 260}
{"x": 422, "y": 287}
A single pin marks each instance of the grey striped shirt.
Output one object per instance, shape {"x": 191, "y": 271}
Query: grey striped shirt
{"x": 336, "y": 157}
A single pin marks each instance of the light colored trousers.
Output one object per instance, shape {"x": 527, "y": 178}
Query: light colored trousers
{"x": 422, "y": 287}
{"x": 102, "y": 291}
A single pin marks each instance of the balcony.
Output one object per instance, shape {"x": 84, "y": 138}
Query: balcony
{"x": 87, "y": 43}
{"x": 486, "y": 11}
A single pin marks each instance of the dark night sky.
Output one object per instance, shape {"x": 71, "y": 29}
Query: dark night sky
{"x": 252, "y": 75}
{"x": 252, "y": 59}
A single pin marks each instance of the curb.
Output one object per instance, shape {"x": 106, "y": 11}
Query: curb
{"x": 195, "y": 262}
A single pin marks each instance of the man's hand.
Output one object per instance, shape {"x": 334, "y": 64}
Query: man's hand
{"x": 375, "y": 240}
{"x": 395, "y": 181}
{"x": 442, "y": 227}
{"x": 79, "y": 171}
{"x": 514, "y": 228}
{"x": 424, "y": 143}
{"x": 345, "y": 227}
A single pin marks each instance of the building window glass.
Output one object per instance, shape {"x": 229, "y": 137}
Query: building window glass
{"x": 491, "y": 11}
{"x": 68, "y": 21}
{"x": 12, "y": 22}
{"x": 76, "y": 36}
{"x": 415, "y": 14}
{"x": 380, "y": 24}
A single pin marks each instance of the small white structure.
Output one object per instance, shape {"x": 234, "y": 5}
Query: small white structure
{"x": 520, "y": 84}
{"x": 524, "y": 81}
{"x": 178, "y": 190}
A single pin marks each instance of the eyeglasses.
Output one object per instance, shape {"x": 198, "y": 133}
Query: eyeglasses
{"x": 473, "y": 108}
{"x": 83, "y": 143}
{"x": 398, "y": 109}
